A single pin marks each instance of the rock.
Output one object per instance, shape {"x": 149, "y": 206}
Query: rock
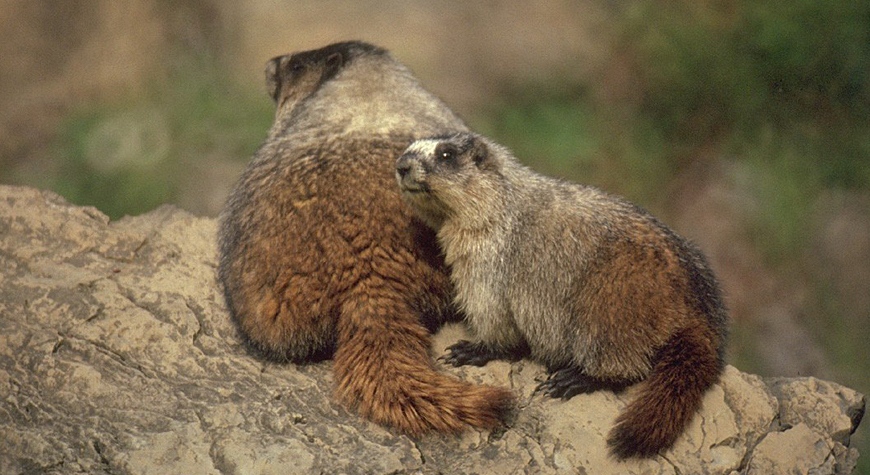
{"x": 117, "y": 355}
{"x": 795, "y": 450}
{"x": 822, "y": 405}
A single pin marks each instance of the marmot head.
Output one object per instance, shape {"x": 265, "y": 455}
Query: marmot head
{"x": 293, "y": 77}
{"x": 352, "y": 88}
{"x": 440, "y": 176}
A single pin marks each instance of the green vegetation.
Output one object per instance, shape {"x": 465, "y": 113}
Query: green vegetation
{"x": 128, "y": 157}
{"x": 565, "y": 134}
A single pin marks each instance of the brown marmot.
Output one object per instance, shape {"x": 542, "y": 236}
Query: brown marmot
{"x": 585, "y": 283}
{"x": 320, "y": 258}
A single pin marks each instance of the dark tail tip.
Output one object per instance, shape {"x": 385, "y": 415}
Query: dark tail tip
{"x": 496, "y": 406}
{"x": 684, "y": 369}
{"x": 628, "y": 440}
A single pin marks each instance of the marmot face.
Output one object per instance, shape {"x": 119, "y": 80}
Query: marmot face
{"x": 294, "y": 77}
{"x": 436, "y": 174}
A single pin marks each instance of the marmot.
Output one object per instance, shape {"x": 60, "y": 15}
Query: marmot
{"x": 588, "y": 284}
{"x": 320, "y": 258}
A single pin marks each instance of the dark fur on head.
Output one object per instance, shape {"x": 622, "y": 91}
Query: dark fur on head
{"x": 286, "y": 69}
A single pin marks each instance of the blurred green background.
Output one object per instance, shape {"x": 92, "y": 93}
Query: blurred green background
{"x": 744, "y": 124}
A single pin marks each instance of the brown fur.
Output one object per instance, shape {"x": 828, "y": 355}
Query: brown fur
{"x": 586, "y": 283}
{"x": 403, "y": 390}
{"x": 684, "y": 368}
{"x": 320, "y": 258}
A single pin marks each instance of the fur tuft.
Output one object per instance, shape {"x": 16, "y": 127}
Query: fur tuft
{"x": 383, "y": 370}
{"x": 685, "y": 368}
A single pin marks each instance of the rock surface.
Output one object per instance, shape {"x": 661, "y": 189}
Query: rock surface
{"x": 117, "y": 355}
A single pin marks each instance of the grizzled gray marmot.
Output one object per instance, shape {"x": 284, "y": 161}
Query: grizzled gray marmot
{"x": 586, "y": 283}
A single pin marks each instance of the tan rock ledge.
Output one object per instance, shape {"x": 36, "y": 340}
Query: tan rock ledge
{"x": 117, "y": 355}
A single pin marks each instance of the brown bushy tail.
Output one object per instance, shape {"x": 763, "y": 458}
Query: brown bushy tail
{"x": 384, "y": 370}
{"x": 683, "y": 370}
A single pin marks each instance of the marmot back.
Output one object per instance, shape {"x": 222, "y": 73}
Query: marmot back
{"x": 319, "y": 257}
{"x": 588, "y": 284}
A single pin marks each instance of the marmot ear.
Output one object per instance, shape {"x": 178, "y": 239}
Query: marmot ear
{"x": 273, "y": 77}
{"x": 479, "y": 153}
{"x": 333, "y": 64}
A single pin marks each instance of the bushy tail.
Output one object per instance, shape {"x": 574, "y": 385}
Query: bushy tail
{"x": 684, "y": 369}
{"x": 384, "y": 370}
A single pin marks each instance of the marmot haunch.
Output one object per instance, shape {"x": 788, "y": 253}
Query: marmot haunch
{"x": 320, "y": 258}
{"x": 590, "y": 285}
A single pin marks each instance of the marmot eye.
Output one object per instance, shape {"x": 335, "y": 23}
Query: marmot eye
{"x": 447, "y": 155}
{"x": 297, "y": 68}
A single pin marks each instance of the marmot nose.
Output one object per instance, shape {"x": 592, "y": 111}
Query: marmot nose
{"x": 402, "y": 168}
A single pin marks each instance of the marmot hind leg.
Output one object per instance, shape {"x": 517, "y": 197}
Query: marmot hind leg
{"x": 567, "y": 382}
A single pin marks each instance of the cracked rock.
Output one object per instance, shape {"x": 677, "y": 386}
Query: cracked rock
{"x": 796, "y": 450}
{"x": 117, "y": 355}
